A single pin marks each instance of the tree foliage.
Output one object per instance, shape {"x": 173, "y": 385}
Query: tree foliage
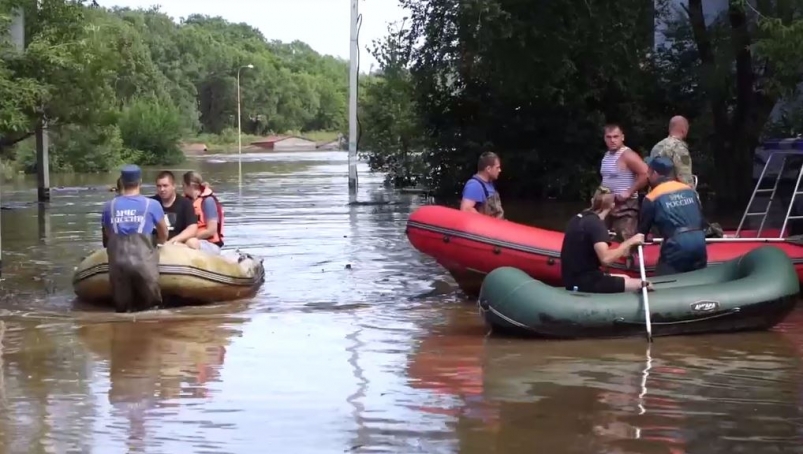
{"x": 388, "y": 109}
{"x": 152, "y": 128}
{"x": 536, "y": 81}
{"x": 97, "y": 74}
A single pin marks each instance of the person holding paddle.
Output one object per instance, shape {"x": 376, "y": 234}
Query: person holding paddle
{"x": 586, "y": 248}
{"x": 674, "y": 209}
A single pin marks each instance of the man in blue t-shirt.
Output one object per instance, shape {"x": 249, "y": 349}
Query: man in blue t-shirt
{"x": 127, "y": 222}
{"x": 479, "y": 193}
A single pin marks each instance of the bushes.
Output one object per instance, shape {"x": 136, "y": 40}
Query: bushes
{"x": 77, "y": 149}
{"x": 153, "y": 128}
{"x": 146, "y": 133}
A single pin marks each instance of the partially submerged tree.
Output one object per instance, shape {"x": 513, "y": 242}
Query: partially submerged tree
{"x": 391, "y": 130}
{"x": 536, "y": 81}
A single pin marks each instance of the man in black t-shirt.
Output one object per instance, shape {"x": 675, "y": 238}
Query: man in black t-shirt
{"x": 182, "y": 223}
{"x": 585, "y": 249}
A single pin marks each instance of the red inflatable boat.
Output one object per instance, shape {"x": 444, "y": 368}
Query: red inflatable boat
{"x": 471, "y": 245}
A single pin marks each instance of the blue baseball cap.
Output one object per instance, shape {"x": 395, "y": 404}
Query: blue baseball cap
{"x": 661, "y": 165}
{"x": 130, "y": 174}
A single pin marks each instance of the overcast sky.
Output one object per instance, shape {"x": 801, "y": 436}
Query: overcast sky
{"x": 323, "y": 24}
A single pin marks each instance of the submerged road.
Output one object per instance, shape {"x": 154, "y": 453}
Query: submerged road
{"x": 355, "y": 343}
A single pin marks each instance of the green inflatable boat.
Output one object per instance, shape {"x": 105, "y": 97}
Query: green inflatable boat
{"x": 753, "y": 292}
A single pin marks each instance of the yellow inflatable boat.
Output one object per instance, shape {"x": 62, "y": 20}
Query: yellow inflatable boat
{"x": 187, "y": 276}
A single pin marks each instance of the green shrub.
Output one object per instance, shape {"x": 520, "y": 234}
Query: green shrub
{"x": 153, "y": 128}
{"x": 76, "y": 149}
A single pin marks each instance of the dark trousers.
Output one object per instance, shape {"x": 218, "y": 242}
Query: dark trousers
{"x": 662, "y": 268}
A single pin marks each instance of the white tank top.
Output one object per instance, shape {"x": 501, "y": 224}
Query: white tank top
{"x": 616, "y": 179}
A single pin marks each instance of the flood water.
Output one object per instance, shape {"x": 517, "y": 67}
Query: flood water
{"x": 355, "y": 343}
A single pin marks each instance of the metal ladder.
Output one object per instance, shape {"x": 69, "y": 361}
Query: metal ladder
{"x": 772, "y": 192}
{"x": 796, "y": 192}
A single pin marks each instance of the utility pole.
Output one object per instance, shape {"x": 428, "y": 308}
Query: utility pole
{"x": 353, "y": 56}
{"x": 16, "y": 30}
{"x": 239, "y": 131}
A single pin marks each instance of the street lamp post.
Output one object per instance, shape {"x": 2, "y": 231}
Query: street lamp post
{"x": 239, "y": 129}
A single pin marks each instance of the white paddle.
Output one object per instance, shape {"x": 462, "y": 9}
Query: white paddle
{"x": 644, "y": 292}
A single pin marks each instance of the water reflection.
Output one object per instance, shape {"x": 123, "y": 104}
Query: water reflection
{"x": 725, "y": 393}
{"x": 43, "y": 222}
{"x": 156, "y": 366}
{"x": 702, "y": 396}
{"x": 47, "y": 405}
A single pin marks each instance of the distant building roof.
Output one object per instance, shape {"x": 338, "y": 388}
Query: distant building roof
{"x": 274, "y": 139}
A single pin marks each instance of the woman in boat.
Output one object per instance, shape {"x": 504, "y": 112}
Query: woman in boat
{"x": 209, "y": 236}
{"x": 586, "y": 248}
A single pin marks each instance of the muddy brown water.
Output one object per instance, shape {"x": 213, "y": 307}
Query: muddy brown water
{"x": 381, "y": 356}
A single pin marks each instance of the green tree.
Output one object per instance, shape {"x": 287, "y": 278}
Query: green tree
{"x": 94, "y": 74}
{"x": 533, "y": 81}
{"x": 742, "y": 87}
{"x": 78, "y": 149}
{"x": 781, "y": 44}
{"x": 153, "y": 128}
{"x": 392, "y": 132}
{"x": 536, "y": 81}
{"x": 59, "y": 54}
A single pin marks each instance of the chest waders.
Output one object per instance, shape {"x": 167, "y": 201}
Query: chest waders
{"x": 493, "y": 203}
{"x": 133, "y": 267}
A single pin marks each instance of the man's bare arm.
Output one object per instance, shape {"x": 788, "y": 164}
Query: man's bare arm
{"x": 190, "y": 232}
{"x": 608, "y": 255}
{"x": 208, "y": 231}
{"x": 638, "y": 167}
{"x": 468, "y": 205}
{"x": 161, "y": 231}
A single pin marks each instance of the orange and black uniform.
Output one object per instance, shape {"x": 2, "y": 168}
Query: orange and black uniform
{"x": 674, "y": 209}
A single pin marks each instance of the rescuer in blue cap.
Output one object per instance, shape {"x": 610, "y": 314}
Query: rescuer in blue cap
{"x": 673, "y": 207}
{"x": 128, "y": 221}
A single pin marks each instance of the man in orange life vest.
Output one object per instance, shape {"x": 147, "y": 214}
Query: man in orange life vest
{"x": 209, "y": 237}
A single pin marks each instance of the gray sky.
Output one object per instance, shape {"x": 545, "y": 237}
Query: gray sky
{"x": 323, "y": 24}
